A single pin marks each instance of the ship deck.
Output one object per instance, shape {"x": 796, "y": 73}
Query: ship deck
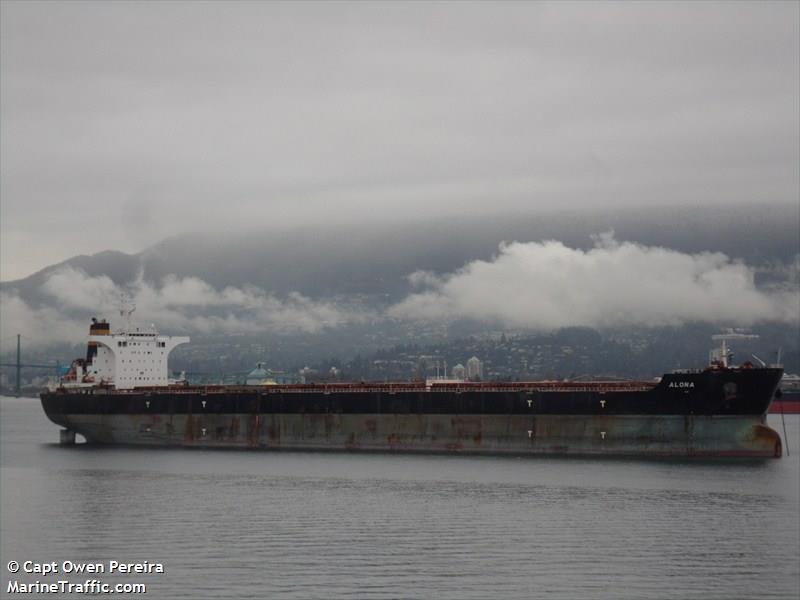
{"x": 391, "y": 388}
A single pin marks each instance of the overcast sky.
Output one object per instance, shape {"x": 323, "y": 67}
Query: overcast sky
{"x": 124, "y": 123}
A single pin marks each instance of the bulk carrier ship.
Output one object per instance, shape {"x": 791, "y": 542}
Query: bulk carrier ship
{"x": 121, "y": 394}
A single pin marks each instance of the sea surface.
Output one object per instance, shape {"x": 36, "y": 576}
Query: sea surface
{"x": 249, "y": 524}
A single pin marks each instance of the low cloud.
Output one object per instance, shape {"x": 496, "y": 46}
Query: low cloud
{"x": 536, "y": 285}
{"x": 38, "y": 326}
{"x": 546, "y": 285}
{"x": 186, "y": 304}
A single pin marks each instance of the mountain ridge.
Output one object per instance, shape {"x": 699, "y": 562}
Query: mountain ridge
{"x": 376, "y": 260}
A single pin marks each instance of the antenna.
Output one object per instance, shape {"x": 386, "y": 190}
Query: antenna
{"x": 126, "y": 308}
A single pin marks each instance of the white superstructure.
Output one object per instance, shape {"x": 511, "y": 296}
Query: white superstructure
{"x": 132, "y": 357}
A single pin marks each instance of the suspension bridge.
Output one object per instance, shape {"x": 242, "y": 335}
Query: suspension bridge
{"x": 18, "y": 365}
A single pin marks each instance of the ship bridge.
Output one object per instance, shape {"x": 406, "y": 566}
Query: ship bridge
{"x": 130, "y": 358}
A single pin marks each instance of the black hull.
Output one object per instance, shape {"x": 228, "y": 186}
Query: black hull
{"x": 710, "y": 413}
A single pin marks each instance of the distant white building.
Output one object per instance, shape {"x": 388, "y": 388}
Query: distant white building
{"x": 459, "y": 372}
{"x": 474, "y": 369}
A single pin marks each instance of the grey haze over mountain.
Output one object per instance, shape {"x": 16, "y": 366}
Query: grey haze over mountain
{"x": 637, "y": 268}
{"x": 354, "y": 259}
{"x": 124, "y": 124}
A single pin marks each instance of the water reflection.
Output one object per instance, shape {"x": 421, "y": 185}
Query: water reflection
{"x": 302, "y": 525}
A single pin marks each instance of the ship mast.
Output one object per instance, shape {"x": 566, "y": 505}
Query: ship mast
{"x": 126, "y": 308}
{"x": 722, "y": 354}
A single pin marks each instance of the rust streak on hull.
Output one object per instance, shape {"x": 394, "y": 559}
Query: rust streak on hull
{"x": 699, "y": 436}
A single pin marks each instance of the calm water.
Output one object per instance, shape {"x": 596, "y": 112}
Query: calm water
{"x": 237, "y": 524}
